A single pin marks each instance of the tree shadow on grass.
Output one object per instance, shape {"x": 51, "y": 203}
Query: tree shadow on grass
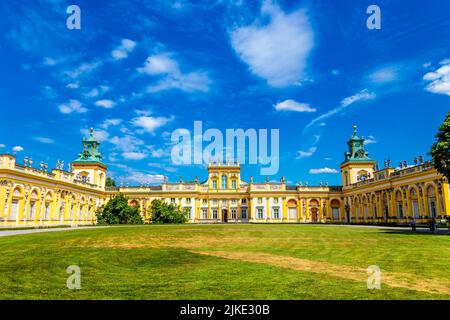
{"x": 443, "y": 232}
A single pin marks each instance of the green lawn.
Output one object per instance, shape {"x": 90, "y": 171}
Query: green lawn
{"x": 225, "y": 262}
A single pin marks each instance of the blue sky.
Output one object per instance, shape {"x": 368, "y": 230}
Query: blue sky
{"x": 138, "y": 70}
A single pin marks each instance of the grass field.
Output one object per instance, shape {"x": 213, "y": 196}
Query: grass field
{"x": 225, "y": 262}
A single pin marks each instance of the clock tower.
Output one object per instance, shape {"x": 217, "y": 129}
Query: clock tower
{"x": 357, "y": 165}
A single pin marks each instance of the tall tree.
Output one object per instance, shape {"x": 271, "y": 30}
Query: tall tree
{"x": 440, "y": 151}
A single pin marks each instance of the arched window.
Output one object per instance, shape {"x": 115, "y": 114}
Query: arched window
{"x": 224, "y": 182}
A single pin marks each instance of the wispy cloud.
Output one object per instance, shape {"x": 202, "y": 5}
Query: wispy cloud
{"x": 17, "y": 149}
{"x": 306, "y": 154}
{"x": 292, "y": 105}
{"x": 345, "y": 103}
{"x": 370, "y": 140}
{"x": 276, "y": 50}
{"x": 44, "y": 140}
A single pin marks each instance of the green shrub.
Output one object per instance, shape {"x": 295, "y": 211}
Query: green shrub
{"x": 167, "y": 213}
{"x": 117, "y": 211}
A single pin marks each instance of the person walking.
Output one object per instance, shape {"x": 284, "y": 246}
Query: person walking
{"x": 413, "y": 225}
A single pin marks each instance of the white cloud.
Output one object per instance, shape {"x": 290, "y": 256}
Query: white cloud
{"x": 17, "y": 149}
{"x": 278, "y": 50}
{"x": 158, "y": 153}
{"x": 370, "y": 140}
{"x": 439, "y": 80}
{"x": 150, "y": 124}
{"x": 72, "y": 85}
{"x": 110, "y": 122}
{"x": 127, "y": 143}
{"x": 49, "y": 61}
{"x": 134, "y": 155}
{"x": 105, "y": 103}
{"x": 163, "y": 65}
{"x": 322, "y": 170}
{"x": 134, "y": 176}
{"x": 384, "y": 75}
{"x": 292, "y": 105}
{"x": 335, "y": 72}
{"x": 2, "y": 145}
{"x": 124, "y": 49}
{"x": 159, "y": 64}
{"x": 345, "y": 103}
{"x": 305, "y": 154}
{"x": 72, "y": 106}
{"x": 44, "y": 140}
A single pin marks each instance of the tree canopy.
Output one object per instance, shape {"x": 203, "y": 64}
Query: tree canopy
{"x": 167, "y": 213}
{"x": 440, "y": 151}
{"x": 117, "y": 211}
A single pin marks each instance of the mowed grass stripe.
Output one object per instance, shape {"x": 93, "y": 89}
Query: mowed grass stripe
{"x": 178, "y": 262}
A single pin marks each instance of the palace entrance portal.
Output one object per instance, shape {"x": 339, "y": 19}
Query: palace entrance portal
{"x": 224, "y": 215}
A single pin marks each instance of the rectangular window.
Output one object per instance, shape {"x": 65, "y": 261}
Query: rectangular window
{"x": 260, "y": 200}
{"x": 292, "y": 213}
{"x": 233, "y": 184}
{"x": 276, "y": 213}
{"x": 244, "y": 201}
{"x": 80, "y": 214}
{"x": 275, "y": 200}
{"x": 233, "y": 214}
{"x": 214, "y": 184}
{"x": 188, "y": 200}
{"x": 204, "y": 214}
{"x": 260, "y": 213}
{"x": 234, "y": 201}
{"x": 189, "y": 210}
{"x": 335, "y": 213}
{"x": 214, "y": 214}
{"x": 14, "y": 209}
{"x": 205, "y": 201}
{"x": 243, "y": 213}
{"x": 172, "y": 200}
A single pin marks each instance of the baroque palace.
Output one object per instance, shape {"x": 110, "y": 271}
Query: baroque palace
{"x": 31, "y": 196}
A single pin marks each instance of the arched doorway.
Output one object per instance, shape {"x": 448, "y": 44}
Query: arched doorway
{"x": 314, "y": 210}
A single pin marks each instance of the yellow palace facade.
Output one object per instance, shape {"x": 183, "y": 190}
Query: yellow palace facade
{"x": 34, "y": 196}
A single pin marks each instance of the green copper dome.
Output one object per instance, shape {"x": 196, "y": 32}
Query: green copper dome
{"x": 91, "y": 152}
{"x": 356, "y": 150}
